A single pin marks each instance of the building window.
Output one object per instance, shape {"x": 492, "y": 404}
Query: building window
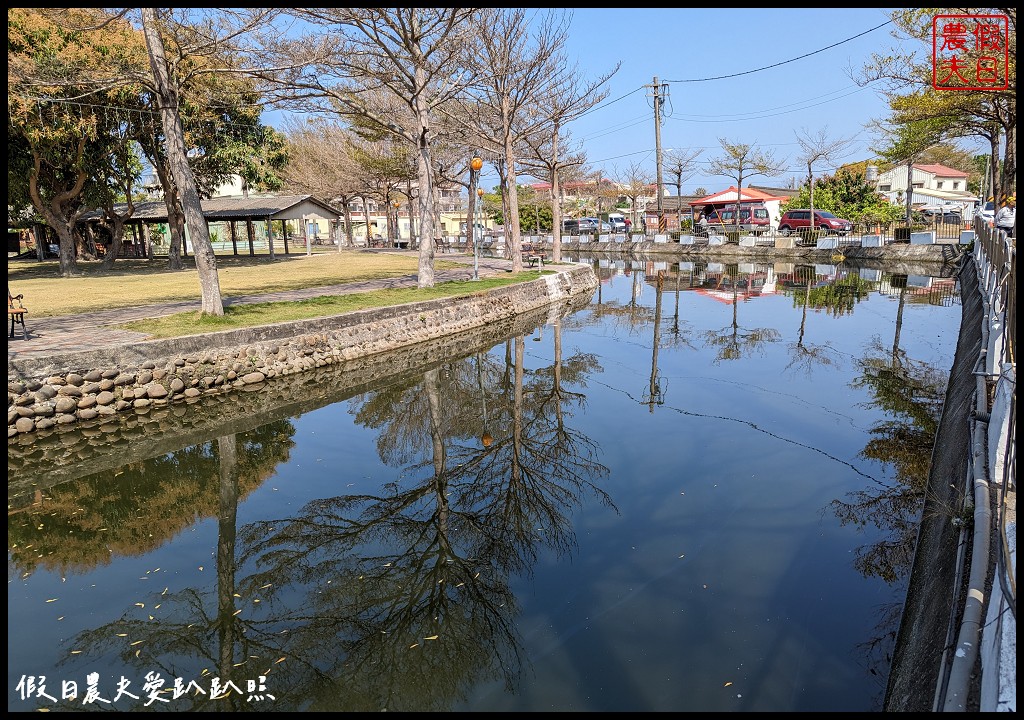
{"x": 918, "y": 185}
{"x": 938, "y": 185}
{"x": 884, "y": 188}
{"x": 956, "y": 185}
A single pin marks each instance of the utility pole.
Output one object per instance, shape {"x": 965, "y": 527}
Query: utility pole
{"x": 658, "y": 99}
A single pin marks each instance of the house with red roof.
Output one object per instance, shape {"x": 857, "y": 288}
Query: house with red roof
{"x": 748, "y": 196}
{"x": 932, "y": 185}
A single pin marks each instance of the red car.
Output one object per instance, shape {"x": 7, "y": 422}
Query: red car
{"x": 823, "y": 220}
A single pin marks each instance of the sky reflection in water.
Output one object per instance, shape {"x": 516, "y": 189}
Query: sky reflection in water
{"x": 698, "y": 498}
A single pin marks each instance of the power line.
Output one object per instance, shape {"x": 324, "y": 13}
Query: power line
{"x": 784, "y": 62}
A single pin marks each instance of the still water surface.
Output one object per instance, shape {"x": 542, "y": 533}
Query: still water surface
{"x": 698, "y": 498}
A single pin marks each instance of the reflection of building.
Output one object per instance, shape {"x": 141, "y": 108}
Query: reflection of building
{"x": 713, "y": 280}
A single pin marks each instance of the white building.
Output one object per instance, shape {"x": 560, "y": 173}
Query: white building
{"x": 935, "y": 186}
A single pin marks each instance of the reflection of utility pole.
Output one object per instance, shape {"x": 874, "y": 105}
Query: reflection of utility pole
{"x": 675, "y": 316}
{"x": 899, "y": 326}
{"x": 658, "y": 90}
{"x": 227, "y": 517}
{"x": 655, "y": 394}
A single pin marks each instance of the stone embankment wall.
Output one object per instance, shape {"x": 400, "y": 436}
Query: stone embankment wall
{"x": 42, "y": 459}
{"x": 44, "y": 393}
{"x": 937, "y": 253}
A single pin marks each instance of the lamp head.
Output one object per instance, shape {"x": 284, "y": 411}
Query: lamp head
{"x": 480, "y": 192}
{"x": 476, "y": 163}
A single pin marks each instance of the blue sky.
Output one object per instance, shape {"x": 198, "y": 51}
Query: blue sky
{"x": 754, "y": 76}
{"x": 764, "y": 108}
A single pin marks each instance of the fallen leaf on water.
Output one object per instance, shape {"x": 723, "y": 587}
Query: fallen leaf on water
{"x": 264, "y": 587}
{"x": 122, "y": 634}
{"x": 413, "y": 645}
{"x": 137, "y": 642}
{"x": 52, "y": 600}
{"x": 200, "y": 568}
{"x": 237, "y": 595}
{"x": 152, "y": 618}
{"x": 140, "y": 604}
{"x": 728, "y": 684}
{"x": 76, "y": 652}
{"x": 279, "y": 660}
{"x": 432, "y": 637}
{"x": 236, "y": 612}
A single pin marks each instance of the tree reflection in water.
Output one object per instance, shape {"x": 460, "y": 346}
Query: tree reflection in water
{"x": 911, "y": 395}
{"x": 407, "y": 601}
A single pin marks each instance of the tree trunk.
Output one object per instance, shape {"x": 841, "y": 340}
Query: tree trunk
{"x": 1008, "y": 183}
{"x": 556, "y": 203}
{"x": 57, "y": 216}
{"x": 206, "y": 261}
{"x": 39, "y": 234}
{"x": 116, "y": 227}
{"x": 350, "y": 240}
{"x": 424, "y": 177}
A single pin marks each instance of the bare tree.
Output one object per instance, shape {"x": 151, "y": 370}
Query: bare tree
{"x": 177, "y": 155}
{"x": 681, "y": 165}
{"x": 545, "y": 160}
{"x": 518, "y": 69}
{"x": 320, "y": 163}
{"x": 413, "y": 57}
{"x": 547, "y": 151}
{"x": 740, "y": 161}
{"x": 817, "y": 147}
{"x": 636, "y": 184}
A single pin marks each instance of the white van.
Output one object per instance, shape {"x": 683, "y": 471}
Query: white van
{"x": 618, "y": 222}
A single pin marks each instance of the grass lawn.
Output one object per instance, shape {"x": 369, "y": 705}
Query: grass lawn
{"x": 142, "y": 282}
{"x": 251, "y": 314}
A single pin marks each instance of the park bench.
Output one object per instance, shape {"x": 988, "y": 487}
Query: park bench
{"x": 16, "y": 312}
{"x": 533, "y": 256}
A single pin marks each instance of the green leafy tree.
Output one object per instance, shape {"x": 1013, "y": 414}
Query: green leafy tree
{"x": 848, "y": 195}
{"x": 66, "y": 135}
{"x": 905, "y": 76}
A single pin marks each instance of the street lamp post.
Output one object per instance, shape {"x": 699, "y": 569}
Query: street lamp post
{"x": 476, "y": 252}
{"x": 474, "y": 170}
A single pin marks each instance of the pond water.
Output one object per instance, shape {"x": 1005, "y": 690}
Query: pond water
{"x": 696, "y": 491}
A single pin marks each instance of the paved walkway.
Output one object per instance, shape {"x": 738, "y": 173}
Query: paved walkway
{"x": 73, "y": 333}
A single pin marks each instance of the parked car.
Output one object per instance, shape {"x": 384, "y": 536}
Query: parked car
{"x": 618, "y": 223}
{"x": 574, "y": 226}
{"x": 944, "y": 216}
{"x": 796, "y": 220}
{"x": 753, "y": 218}
{"x": 988, "y": 212}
